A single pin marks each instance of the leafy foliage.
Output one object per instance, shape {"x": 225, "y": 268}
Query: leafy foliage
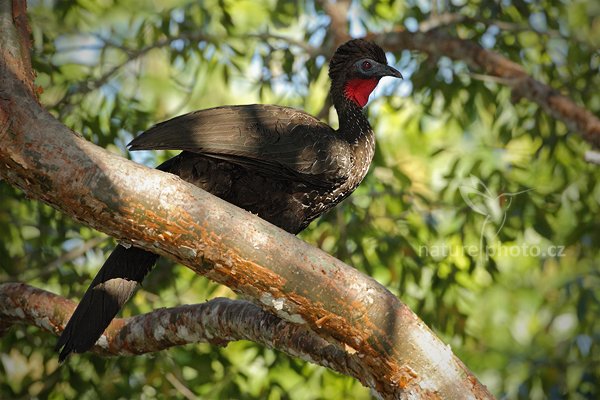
{"x": 479, "y": 211}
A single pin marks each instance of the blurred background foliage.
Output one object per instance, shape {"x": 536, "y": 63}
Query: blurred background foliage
{"x": 460, "y": 167}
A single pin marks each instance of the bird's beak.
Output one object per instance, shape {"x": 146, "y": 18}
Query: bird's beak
{"x": 385, "y": 70}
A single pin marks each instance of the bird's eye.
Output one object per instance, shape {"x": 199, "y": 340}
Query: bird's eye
{"x": 366, "y": 65}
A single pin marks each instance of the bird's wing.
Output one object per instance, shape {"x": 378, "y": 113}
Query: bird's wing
{"x": 278, "y": 140}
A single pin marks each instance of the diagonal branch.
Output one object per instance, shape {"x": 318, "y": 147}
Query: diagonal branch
{"x": 559, "y": 106}
{"x": 64, "y": 258}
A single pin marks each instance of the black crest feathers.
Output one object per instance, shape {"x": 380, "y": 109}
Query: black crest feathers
{"x": 352, "y": 51}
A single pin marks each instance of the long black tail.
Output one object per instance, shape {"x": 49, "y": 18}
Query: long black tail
{"x": 111, "y": 288}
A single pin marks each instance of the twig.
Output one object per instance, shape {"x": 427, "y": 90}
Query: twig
{"x": 490, "y": 78}
{"x": 177, "y": 384}
{"x": 92, "y": 84}
{"x": 69, "y": 256}
{"x": 310, "y": 50}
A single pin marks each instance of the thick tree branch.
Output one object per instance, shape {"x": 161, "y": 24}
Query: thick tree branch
{"x": 162, "y": 213}
{"x": 218, "y": 321}
{"x": 576, "y": 118}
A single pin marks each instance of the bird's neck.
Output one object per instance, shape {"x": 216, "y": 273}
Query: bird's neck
{"x": 354, "y": 126}
{"x": 356, "y": 130}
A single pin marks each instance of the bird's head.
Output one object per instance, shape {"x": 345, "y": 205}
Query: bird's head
{"x": 355, "y": 70}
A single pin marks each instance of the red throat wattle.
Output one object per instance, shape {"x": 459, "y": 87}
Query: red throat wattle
{"x": 358, "y": 90}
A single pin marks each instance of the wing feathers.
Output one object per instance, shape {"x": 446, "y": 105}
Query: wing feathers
{"x": 267, "y": 137}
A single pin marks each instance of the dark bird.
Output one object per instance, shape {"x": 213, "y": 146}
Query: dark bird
{"x": 280, "y": 163}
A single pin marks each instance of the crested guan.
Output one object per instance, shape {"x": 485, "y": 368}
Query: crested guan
{"x": 277, "y": 162}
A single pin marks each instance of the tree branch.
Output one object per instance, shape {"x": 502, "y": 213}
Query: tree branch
{"x": 161, "y": 213}
{"x": 218, "y": 321}
{"x": 445, "y": 20}
{"x": 338, "y": 27}
{"x": 561, "y": 107}
{"x": 338, "y": 14}
{"x": 308, "y": 49}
